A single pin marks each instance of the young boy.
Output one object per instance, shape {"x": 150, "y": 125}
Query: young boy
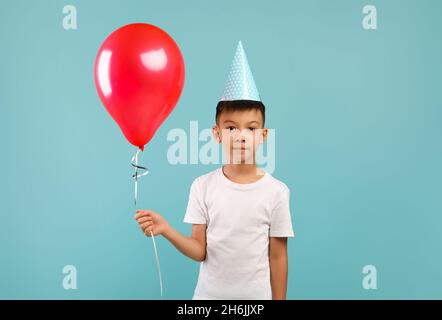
{"x": 240, "y": 214}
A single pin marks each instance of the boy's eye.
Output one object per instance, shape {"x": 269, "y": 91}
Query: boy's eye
{"x": 231, "y": 128}
{"x": 252, "y": 129}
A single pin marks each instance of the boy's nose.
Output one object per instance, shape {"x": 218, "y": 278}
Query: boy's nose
{"x": 240, "y": 138}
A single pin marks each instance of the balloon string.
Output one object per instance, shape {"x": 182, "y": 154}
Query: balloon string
{"x": 136, "y": 175}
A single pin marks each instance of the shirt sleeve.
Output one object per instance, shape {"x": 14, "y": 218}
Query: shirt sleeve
{"x": 280, "y": 221}
{"x": 196, "y": 211}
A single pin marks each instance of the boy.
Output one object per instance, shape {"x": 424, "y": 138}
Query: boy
{"x": 240, "y": 214}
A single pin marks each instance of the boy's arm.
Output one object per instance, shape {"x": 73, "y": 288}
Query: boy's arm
{"x": 194, "y": 247}
{"x": 278, "y": 267}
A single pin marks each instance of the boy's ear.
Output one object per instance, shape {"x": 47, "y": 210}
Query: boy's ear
{"x": 216, "y": 133}
{"x": 263, "y": 135}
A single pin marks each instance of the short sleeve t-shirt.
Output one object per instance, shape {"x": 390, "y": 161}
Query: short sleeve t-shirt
{"x": 240, "y": 218}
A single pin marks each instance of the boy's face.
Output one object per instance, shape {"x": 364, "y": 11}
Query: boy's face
{"x": 241, "y": 133}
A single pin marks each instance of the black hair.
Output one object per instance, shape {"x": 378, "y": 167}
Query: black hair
{"x": 240, "y": 105}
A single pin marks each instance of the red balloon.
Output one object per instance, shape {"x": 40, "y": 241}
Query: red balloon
{"x": 139, "y": 76}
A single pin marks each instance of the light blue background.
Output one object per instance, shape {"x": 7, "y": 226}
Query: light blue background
{"x": 357, "y": 115}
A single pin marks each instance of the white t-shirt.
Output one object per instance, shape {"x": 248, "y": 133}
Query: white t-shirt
{"x": 240, "y": 218}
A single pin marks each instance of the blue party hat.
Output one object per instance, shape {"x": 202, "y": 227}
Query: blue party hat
{"x": 240, "y": 84}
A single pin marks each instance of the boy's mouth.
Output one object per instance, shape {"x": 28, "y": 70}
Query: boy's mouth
{"x": 241, "y": 147}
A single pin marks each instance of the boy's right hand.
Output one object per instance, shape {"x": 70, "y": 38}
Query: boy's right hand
{"x": 151, "y": 221}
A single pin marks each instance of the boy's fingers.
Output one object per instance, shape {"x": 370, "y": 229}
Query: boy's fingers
{"x": 142, "y": 213}
{"x": 145, "y": 228}
{"x": 144, "y": 219}
{"x": 146, "y": 224}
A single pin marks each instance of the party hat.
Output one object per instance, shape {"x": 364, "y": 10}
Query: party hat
{"x": 240, "y": 84}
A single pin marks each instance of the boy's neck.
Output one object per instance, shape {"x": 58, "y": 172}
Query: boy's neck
{"x": 242, "y": 172}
